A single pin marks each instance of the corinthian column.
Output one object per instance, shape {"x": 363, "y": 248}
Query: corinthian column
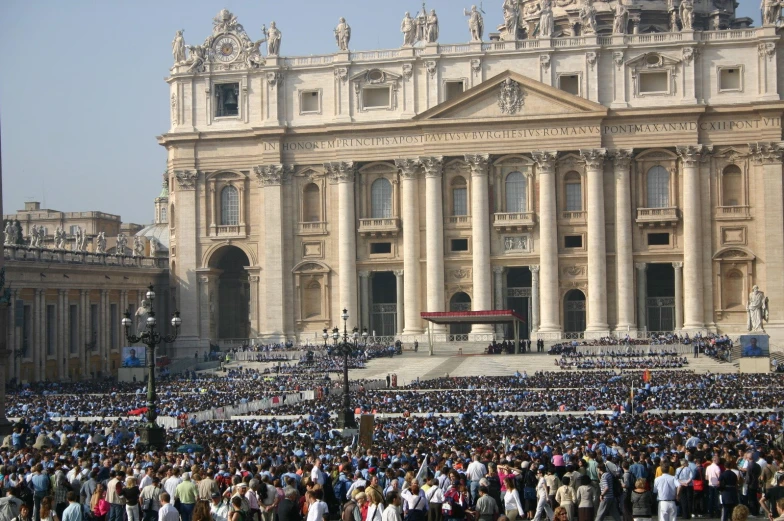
{"x": 642, "y": 295}
{"x": 678, "y": 267}
{"x": 434, "y": 235}
{"x": 534, "y": 297}
{"x": 342, "y": 172}
{"x": 597, "y": 247}
{"x": 693, "y": 304}
{"x": 623, "y": 240}
{"x": 480, "y": 237}
{"x": 548, "y": 243}
{"x": 399, "y": 307}
{"x": 409, "y": 168}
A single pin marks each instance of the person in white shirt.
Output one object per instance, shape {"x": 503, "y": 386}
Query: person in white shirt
{"x": 392, "y": 512}
{"x": 512, "y": 506}
{"x": 317, "y": 509}
{"x": 476, "y": 470}
{"x": 415, "y": 499}
{"x": 666, "y": 488}
{"x": 316, "y": 476}
{"x": 170, "y": 485}
{"x": 359, "y": 481}
{"x": 218, "y": 508}
{"x": 167, "y": 512}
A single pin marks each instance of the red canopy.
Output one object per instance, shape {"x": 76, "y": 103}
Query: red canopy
{"x": 498, "y": 316}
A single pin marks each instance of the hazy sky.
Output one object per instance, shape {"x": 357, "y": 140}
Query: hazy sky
{"x": 82, "y": 92}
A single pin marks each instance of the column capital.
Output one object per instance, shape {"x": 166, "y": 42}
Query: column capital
{"x": 766, "y": 153}
{"x": 341, "y": 171}
{"x": 498, "y": 270}
{"x": 186, "y": 179}
{"x": 621, "y": 157}
{"x": 272, "y": 175}
{"x": 545, "y": 160}
{"x": 364, "y": 274}
{"x": 593, "y": 157}
{"x": 398, "y": 273}
{"x": 534, "y": 269}
{"x": 62, "y": 291}
{"x": 84, "y": 292}
{"x": 478, "y": 163}
{"x": 409, "y": 168}
{"x": 641, "y": 266}
{"x": 677, "y": 265}
{"x": 693, "y": 154}
{"x": 432, "y": 165}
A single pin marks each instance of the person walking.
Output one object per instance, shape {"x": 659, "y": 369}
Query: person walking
{"x": 187, "y": 493}
{"x": 728, "y": 486}
{"x": 666, "y": 488}
{"x": 608, "y": 503}
{"x": 642, "y": 501}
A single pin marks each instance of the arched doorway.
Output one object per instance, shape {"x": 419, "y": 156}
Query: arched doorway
{"x": 383, "y": 304}
{"x": 233, "y": 303}
{"x": 460, "y": 302}
{"x": 574, "y": 311}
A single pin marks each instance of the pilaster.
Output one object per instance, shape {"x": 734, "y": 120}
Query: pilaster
{"x": 185, "y": 185}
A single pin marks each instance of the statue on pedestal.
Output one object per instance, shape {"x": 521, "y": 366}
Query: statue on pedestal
{"x": 431, "y": 27}
{"x": 141, "y": 316}
{"x": 34, "y": 236}
{"x": 59, "y": 238}
{"x": 342, "y": 34}
{"x": 511, "y": 20}
{"x": 687, "y": 15}
{"x": 178, "y": 48}
{"x": 771, "y": 12}
{"x": 408, "y": 28}
{"x": 546, "y": 22}
{"x": 18, "y": 239}
{"x": 757, "y": 309}
{"x": 476, "y": 24}
{"x": 155, "y": 246}
{"x": 9, "y": 233}
{"x": 138, "y": 246}
{"x": 587, "y": 18}
{"x": 273, "y": 36}
{"x": 621, "y": 19}
{"x": 100, "y": 243}
{"x": 41, "y": 237}
{"x": 122, "y": 242}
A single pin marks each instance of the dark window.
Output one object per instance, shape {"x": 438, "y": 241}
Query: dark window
{"x": 227, "y": 99}
{"x": 573, "y": 241}
{"x": 380, "y": 247}
{"x": 459, "y": 244}
{"x": 658, "y": 239}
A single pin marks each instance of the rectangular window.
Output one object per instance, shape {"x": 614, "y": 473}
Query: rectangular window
{"x": 227, "y": 98}
{"x": 93, "y": 328}
{"x": 729, "y": 79}
{"x": 114, "y": 330}
{"x": 459, "y": 201}
{"x": 573, "y": 241}
{"x": 658, "y": 239}
{"x": 376, "y": 97}
{"x": 309, "y": 102}
{"x": 73, "y": 329}
{"x": 27, "y": 330}
{"x": 574, "y": 197}
{"x": 378, "y": 248}
{"x": 72, "y": 229}
{"x": 569, "y": 83}
{"x": 51, "y": 329}
{"x": 459, "y": 245}
{"x": 654, "y": 82}
{"x": 453, "y": 89}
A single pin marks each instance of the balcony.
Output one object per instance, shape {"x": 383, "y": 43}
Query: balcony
{"x": 657, "y": 216}
{"x": 458, "y": 221}
{"x": 312, "y": 228}
{"x": 518, "y": 221}
{"x": 732, "y": 213}
{"x": 238, "y": 230}
{"x": 573, "y": 217}
{"x": 389, "y": 226}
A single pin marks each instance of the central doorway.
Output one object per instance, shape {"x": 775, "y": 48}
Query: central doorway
{"x": 383, "y": 304}
{"x": 460, "y": 301}
{"x": 517, "y": 297}
{"x": 660, "y": 302}
{"x": 233, "y": 303}
{"x": 574, "y": 311}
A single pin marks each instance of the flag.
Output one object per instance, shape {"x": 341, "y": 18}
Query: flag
{"x": 421, "y": 476}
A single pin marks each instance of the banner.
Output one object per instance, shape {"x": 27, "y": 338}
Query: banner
{"x": 753, "y": 346}
{"x": 134, "y": 356}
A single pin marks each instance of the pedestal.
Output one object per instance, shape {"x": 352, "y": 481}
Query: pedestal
{"x": 346, "y": 419}
{"x": 153, "y": 437}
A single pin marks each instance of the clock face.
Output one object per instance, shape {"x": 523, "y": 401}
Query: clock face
{"x": 226, "y": 49}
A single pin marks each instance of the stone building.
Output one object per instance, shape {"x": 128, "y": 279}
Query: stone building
{"x": 600, "y": 168}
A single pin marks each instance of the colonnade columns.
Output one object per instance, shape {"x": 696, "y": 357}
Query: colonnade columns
{"x": 642, "y": 295}
{"x": 534, "y": 297}
{"x": 678, "y": 266}
{"x": 364, "y": 299}
{"x": 597, "y": 246}
{"x": 409, "y": 168}
{"x": 548, "y": 243}
{"x": 342, "y": 173}
{"x": 39, "y": 326}
{"x": 63, "y": 351}
{"x": 498, "y": 275}
{"x": 480, "y": 238}
{"x": 399, "y": 298}
{"x": 434, "y": 235}
{"x": 86, "y": 335}
{"x": 270, "y": 178}
{"x": 624, "y": 261}
{"x": 103, "y": 339}
{"x": 693, "y": 305}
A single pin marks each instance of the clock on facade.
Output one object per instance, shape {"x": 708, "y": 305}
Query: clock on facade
{"x": 226, "y": 49}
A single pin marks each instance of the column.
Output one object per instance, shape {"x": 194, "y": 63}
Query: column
{"x": 63, "y": 334}
{"x": 13, "y": 343}
{"x": 678, "y": 295}
{"x": 270, "y": 178}
{"x": 86, "y": 337}
{"x": 39, "y": 342}
{"x": 186, "y": 218}
{"x": 642, "y": 295}
{"x": 105, "y": 338}
{"x": 623, "y": 240}
{"x": 434, "y": 235}
{"x": 409, "y": 170}
{"x": 597, "y": 247}
{"x": 498, "y": 283}
{"x": 480, "y": 237}
{"x": 534, "y": 297}
{"x": 693, "y": 308}
{"x": 253, "y": 308}
{"x": 399, "y": 306}
{"x": 342, "y": 173}
{"x": 548, "y": 243}
{"x": 364, "y": 299}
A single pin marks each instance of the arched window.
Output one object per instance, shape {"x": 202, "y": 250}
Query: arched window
{"x": 164, "y": 217}
{"x": 311, "y": 203}
{"x": 381, "y": 199}
{"x": 459, "y": 196}
{"x": 733, "y": 289}
{"x": 658, "y": 183}
{"x": 731, "y": 186}
{"x": 230, "y": 206}
{"x": 573, "y": 190}
{"x": 312, "y": 299}
{"x": 516, "y": 193}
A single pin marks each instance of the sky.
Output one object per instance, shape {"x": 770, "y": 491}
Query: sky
{"x": 82, "y": 91}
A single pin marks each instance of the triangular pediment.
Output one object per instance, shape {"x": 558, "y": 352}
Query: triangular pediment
{"x": 514, "y": 96}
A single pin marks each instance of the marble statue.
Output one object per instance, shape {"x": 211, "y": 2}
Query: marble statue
{"x": 178, "y": 48}
{"x": 122, "y": 242}
{"x": 476, "y": 24}
{"x": 59, "y": 238}
{"x": 673, "y": 20}
{"x": 253, "y": 57}
{"x": 431, "y": 27}
{"x": 587, "y": 18}
{"x": 34, "y": 237}
{"x": 41, "y": 237}
{"x": 546, "y": 22}
{"x": 225, "y": 22}
{"x": 621, "y": 19}
{"x": 155, "y": 246}
{"x": 511, "y": 20}
{"x": 18, "y": 239}
{"x": 687, "y": 15}
{"x": 141, "y": 316}
{"x": 757, "y": 309}
{"x": 196, "y": 58}
{"x": 138, "y": 246}
{"x": 9, "y": 233}
{"x": 343, "y": 34}
{"x": 100, "y": 243}
{"x": 771, "y": 12}
{"x": 408, "y": 28}
{"x": 273, "y": 36}
{"x": 78, "y": 239}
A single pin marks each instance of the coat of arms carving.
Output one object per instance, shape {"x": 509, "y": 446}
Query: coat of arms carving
{"x": 511, "y": 97}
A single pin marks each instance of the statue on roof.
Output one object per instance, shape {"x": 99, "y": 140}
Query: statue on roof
{"x": 476, "y": 24}
{"x": 178, "y": 48}
{"x": 273, "y": 36}
{"x": 621, "y": 18}
{"x": 59, "y": 238}
{"x": 587, "y": 18}
{"x": 687, "y": 15}
{"x": 771, "y": 12}
{"x": 409, "y": 30}
{"x": 225, "y": 22}
{"x": 511, "y": 20}
{"x": 100, "y": 243}
{"x": 9, "y": 233}
{"x": 546, "y": 22}
{"x": 431, "y": 27}
{"x": 342, "y": 34}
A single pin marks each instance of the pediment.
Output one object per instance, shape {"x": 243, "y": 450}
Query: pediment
{"x": 514, "y": 96}
{"x": 652, "y": 60}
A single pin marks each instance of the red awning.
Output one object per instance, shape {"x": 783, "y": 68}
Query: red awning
{"x": 474, "y": 317}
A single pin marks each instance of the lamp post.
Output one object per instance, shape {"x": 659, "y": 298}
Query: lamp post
{"x": 153, "y": 435}
{"x": 345, "y": 347}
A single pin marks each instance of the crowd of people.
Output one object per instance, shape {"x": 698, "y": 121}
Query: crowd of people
{"x": 633, "y": 359}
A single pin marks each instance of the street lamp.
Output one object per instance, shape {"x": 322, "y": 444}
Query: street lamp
{"x": 153, "y": 435}
{"x": 346, "y": 418}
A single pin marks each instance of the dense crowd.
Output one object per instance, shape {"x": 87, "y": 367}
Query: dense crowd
{"x": 630, "y": 359}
